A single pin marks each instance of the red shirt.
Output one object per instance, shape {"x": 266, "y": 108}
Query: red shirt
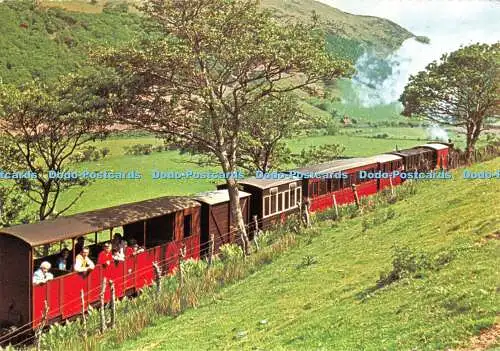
{"x": 105, "y": 258}
{"x": 129, "y": 252}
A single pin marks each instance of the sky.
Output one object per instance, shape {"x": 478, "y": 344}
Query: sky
{"x": 448, "y": 23}
{"x": 427, "y": 16}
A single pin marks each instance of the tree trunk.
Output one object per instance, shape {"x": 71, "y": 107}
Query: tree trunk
{"x": 470, "y": 148}
{"x": 473, "y": 132}
{"x": 237, "y": 216}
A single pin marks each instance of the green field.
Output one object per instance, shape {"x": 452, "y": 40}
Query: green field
{"x": 105, "y": 193}
{"x": 289, "y": 306}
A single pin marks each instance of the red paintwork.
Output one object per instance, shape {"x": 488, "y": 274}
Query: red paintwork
{"x": 442, "y": 159}
{"x": 386, "y": 182}
{"x": 345, "y": 195}
{"x": 192, "y": 247}
{"x": 63, "y": 294}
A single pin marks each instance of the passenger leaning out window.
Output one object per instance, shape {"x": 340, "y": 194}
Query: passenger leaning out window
{"x": 42, "y": 275}
{"x": 83, "y": 263}
{"x": 63, "y": 260}
{"x": 105, "y": 256}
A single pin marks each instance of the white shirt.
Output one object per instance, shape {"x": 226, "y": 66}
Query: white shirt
{"x": 40, "y": 277}
{"x": 82, "y": 264}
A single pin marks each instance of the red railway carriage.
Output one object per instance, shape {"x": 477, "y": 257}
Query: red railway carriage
{"x": 216, "y": 217}
{"x": 386, "y": 165}
{"x": 162, "y": 226}
{"x": 440, "y": 157}
{"x": 324, "y": 182}
{"x": 272, "y": 199}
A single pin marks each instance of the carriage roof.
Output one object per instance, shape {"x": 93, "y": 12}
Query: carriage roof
{"x": 63, "y": 228}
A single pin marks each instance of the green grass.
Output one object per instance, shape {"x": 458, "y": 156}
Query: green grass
{"x": 105, "y": 193}
{"x": 286, "y": 306}
{"x": 354, "y": 146}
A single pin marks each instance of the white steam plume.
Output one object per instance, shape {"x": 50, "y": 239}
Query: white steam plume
{"x": 435, "y": 132}
{"x": 449, "y": 24}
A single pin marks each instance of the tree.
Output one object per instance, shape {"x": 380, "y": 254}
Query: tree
{"x": 214, "y": 63}
{"x": 262, "y": 146}
{"x": 14, "y": 207}
{"x": 461, "y": 90}
{"x": 41, "y": 127}
{"x": 318, "y": 154}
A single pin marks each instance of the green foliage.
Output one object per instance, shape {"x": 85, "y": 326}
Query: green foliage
{"x": 318, "y": 154}
{"x": 193, "y": 269}
{"x": 343, "y": 47}
{"x": 14, "y": 207}
{"x": 141, "y": 149}
{"x": 89, "y": 153}
{"x": 45, "y": 43}
{"x": 460, "y": 90}
{"x": 408, "y": 263}
{"x": 307, "y": 261}
{"x": 115, "y": 7}
{"x": 230, "y": 252}
{"x": 43, "y": 126}
{"x": 423, "y": 39}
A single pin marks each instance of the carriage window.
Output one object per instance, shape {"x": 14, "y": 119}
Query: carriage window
{"x": 280, "y": 202}
{"x": 187, "y": 226}
{"x": 292, "y": 198}
{"x": 361, "y": 180}
{"x": 287, "y": 200}
{"x": 314, "y": 190}
{"x": 299, "y": 195}
{"x": 274, "y": 203}
{"x": 335, "y": 184}
{"x": 322, "y": 186}
{"x": 266, "y": 206}
{"x": 346, "y": 182}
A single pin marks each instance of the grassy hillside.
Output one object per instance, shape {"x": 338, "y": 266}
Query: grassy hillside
{"x": 322, "y": 295}
{"x": 348, "y": 33}
{"x": 56, "y": 38}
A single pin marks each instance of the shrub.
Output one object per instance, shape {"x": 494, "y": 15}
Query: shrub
{"x": 111, "y": 7}
{"x": 408, "y": 263}
{"x": 307, "y": 261}
{"x": 138, "y": 149}
{"x": 405, "y": 263}
{"x": 159, "y": 148}
{"x": 193, "y": 268}
{"x": 105, "y": 152}
{"x": 230, "y": 253}
{"x": 89, "y": 153}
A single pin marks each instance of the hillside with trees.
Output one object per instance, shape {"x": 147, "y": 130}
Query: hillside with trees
{"x": 47, "y": 39}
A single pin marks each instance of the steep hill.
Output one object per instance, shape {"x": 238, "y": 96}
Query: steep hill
{"x": 323, "y": 295}
{"x": 353, "y": 32}
{"x": 49, "y": 42}
{"x": 56, "y": 38}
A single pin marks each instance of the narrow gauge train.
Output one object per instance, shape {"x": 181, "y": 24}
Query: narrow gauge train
{"x": 162, "y": 226}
